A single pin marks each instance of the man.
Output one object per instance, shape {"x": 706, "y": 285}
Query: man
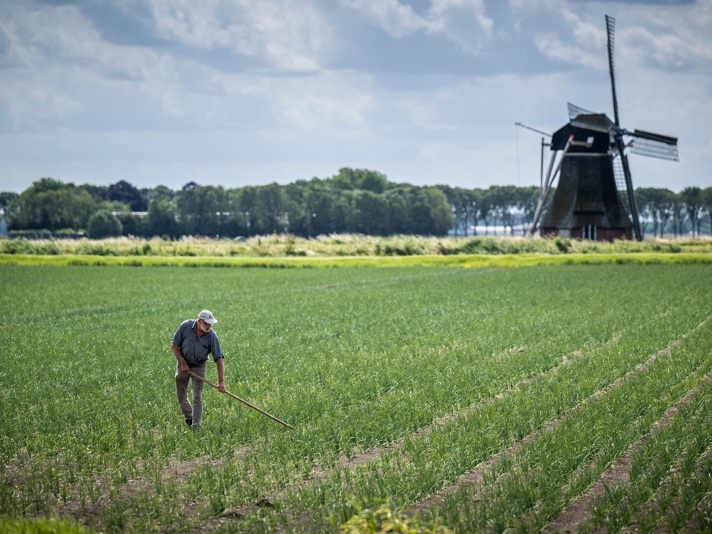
{"x": 193, "y": 341}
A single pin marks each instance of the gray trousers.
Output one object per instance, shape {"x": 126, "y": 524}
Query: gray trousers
{"x": 194, "y": 412}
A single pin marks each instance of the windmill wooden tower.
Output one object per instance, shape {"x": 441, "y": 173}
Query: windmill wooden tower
{"x": 594, "y": 197}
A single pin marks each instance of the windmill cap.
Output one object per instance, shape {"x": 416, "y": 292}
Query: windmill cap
{"x": 207, "y": 316}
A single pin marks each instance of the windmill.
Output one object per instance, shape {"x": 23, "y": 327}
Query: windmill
{"x": 594, "y": 198}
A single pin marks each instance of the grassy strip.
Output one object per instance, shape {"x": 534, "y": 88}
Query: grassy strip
{"x": 462, "y": 260}
{"x": 283, "y": 245}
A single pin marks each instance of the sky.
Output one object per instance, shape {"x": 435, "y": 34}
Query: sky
{"x": 249, "y": 92}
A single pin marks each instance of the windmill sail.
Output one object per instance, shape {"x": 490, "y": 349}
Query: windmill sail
{"x": 619, "y": 132}
{"x": 575, "y": 111}
{"x": 610, "y": 29}
{"x": 654, "y": 145}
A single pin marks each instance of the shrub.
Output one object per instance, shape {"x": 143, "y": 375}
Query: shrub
{"x": 563, "y": 244}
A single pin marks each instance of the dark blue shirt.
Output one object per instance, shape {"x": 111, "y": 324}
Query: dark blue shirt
{"x": 194, "y": 348}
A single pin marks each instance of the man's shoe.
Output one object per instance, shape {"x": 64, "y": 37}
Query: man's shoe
{"x": 189, "y": 422}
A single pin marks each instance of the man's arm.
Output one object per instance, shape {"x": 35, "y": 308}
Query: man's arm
{"x": 221, "y": 375}
{"x": 176, "y": 352}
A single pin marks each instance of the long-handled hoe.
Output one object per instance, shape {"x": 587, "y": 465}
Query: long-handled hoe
{"x": 243, "y": 401}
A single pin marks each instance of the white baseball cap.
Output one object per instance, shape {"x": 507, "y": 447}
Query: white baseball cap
{"x": 207, "y": 316}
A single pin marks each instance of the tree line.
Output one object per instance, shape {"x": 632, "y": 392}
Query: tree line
{"x": 352, "y": 201}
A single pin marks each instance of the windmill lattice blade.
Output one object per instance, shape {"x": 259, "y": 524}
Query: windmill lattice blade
{"x": 621, "y": 186}
{"x": 655, "y": 137}
{"x": 610, "y": 28}
{"x": 575, "y": 111}
{"x": 646, "y": 146}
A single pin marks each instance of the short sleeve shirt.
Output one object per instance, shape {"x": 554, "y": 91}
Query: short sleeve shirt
{"x": 194, "y": 348}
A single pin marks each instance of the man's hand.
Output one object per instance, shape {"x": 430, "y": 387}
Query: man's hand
{"x": 221, "y": 375}
{"x": 183, "y": 364}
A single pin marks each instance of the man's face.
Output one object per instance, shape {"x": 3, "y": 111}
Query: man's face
{"x": 203, "y": 326}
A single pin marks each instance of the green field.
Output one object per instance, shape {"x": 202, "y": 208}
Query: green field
{"x": 559, "y": 397}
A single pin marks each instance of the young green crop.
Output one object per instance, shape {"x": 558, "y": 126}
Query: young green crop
{"x": 398, "y": 381}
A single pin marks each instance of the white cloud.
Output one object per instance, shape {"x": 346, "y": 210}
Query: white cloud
{"x": 461, "y": 21}
{"x": 324, "y": 103}
{"x": 290, "y": 34}
{"x": 393, "y": 17}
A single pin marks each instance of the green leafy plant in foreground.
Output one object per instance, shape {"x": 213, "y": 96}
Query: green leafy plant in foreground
{"x": 41, "y": 526}
{"x": 384, "y": 520}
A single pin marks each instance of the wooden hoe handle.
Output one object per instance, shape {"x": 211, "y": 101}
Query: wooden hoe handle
{"x": 243, "y": 401}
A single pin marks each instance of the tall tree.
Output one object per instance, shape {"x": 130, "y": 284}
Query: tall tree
{"x": 456, "y": 199}
{"x": 691, "y": 196}
{"x": 645, "y": 198}
{"x": 269, "y": 209}
{"x": 363, "y": 179}
{"x": 103, "y": 224}
{"x": 431, "y": 213}
{"x": 370, "y": 211}
{"x": 162, "y": 219}
{"x": 706, "y": 200}
{"x": 158, "y": 192}
{"x": 6, "y": 197}
{"x": 397, "y": 200}
{"x": 201, "y": 209}
{"x": 665, "y": 201}
{"x": 527, "y": 202}
{"x": 486, "y": 208}
{"x": 678, "y": 215}
{"x": 123, "y": 191}
{"x": 505, "y": 202}
{"x": 296, "y": 204}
